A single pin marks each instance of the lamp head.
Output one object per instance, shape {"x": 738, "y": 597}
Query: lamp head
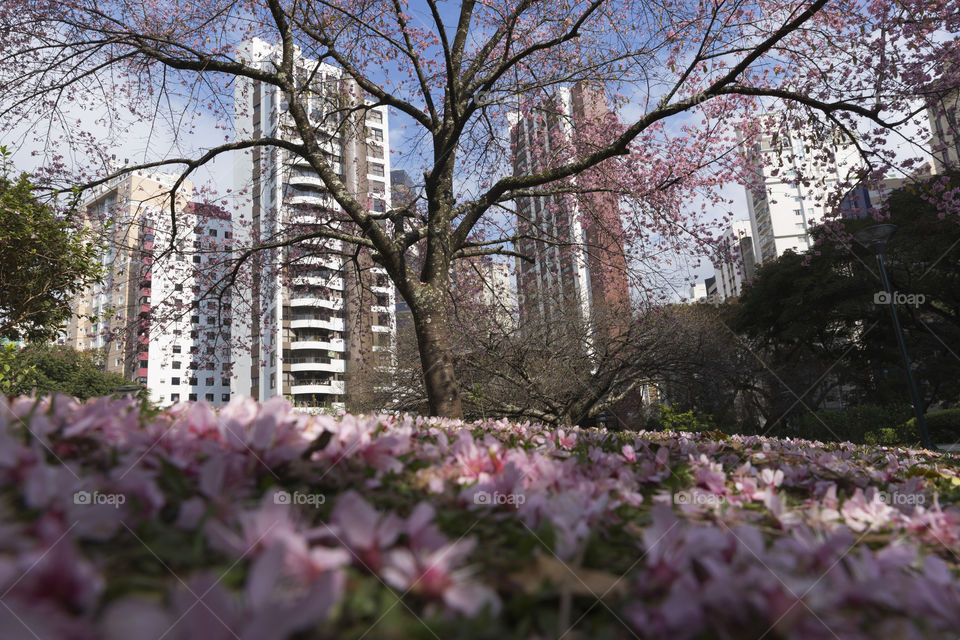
{"x": 875, "y": 236}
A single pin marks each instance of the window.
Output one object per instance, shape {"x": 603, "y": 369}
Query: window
{"x": 193, "y": 382}
{"x": 374, "y": 116}
{"x": 144, "y": 364}
{"x": 178, "y": 287}
{"x": 212, "y": 233}
{"x": 209, "y": 382}
{"x": 176, "y": 348}
{"x": 176, "y": 364}
{"x": 119, "y": 361}
{"x": 209, "y": 397}
{"x": 174, "y": 397}
{"x": 225, "y": 397}
{"x": 194, "y": 319}
{"x": 798, "y": 212}
{"x": 376, "y": 169}
{"x": 376, "y": 134}
{"x": 273, "y": 380}
{"x": 211, "y": 350}
{"x": 210, "y": 320}
{"x": 175, "y": 381}
{"x": 193, "y": 397}
{"x": 225, "y": 382}
{"x": 227, "y": 234}
{"x": 197, "y": 259}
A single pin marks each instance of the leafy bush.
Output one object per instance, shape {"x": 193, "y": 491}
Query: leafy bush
{"x": 944, "y": 426}
{"x": 861, "y": 424}
{"x": 45, "y": 369}
{"x": 669, "y": 419}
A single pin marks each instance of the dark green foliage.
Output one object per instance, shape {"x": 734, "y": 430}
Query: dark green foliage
{"x": 814, "y": 320}
{"x": 61, "y": 369}
{"x": 862, "y": 424}
{"x": 670, "y": 419}
{"x": 944, "y": 426}
{"x": 44, "y": 261}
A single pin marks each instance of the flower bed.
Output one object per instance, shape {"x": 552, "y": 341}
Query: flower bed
{"x": 259, "y": 522}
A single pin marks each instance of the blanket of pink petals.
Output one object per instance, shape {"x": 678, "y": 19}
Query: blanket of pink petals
{"x": 259, "y": 522}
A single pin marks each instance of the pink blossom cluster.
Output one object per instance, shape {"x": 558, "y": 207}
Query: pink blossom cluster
{"x": 261, "y": 522}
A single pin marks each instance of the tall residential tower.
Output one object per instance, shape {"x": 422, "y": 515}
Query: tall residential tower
{"x": 320, "y": 313}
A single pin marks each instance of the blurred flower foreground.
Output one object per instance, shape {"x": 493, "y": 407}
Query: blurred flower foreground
{"x": 258, "y": 522}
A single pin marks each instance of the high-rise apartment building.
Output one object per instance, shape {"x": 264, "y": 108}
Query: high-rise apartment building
{"x": 320, "y": 314}
{"x": 943, "y": 115}
{"x": 159, "y": 321}
{"x": 576, "y": 242}
{"x": 735, "y": 262}
{"x": 782, "y": 211}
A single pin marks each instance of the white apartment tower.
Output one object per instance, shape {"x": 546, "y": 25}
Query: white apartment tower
{"x": 154, "y": 319}
{"x": 943, "y": 116}
{"x": 319, "y": 314}
{"x": 782, "y": 211}
{"x": 735, "y": 260}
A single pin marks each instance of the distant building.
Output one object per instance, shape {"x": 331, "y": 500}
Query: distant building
{"x": 735, "y": 262}
{"x": 943, "y": 116}
{"x": 781, "y": 211}
{"x": 488, "y": 285}
{"x": 576, "y": 243}
{"x": 860, "y": 200}
{"x": 402, "y": 194}
{"x": 157, "y": 323}
{"x": 318, "y": 319}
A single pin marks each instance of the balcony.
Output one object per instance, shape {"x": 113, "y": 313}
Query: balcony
{"x": 335, "y": 387}
{"x": 334, "y": 344}
{"x": 319, "y": 281}
{"x": 335, "y": 324}
{"x": 316, "y": 364}
{"x": 335, "y": 303}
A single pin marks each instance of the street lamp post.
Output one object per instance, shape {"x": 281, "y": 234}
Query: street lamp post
{"x": 875, "y": 238}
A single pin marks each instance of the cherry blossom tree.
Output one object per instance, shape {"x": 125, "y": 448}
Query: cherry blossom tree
{"x": 681, "y": 75}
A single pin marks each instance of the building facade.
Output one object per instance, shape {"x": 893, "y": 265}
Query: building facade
{"x": 782, "y": 210}
{"x": 736, "y": 260}
{"x": 161, "y": 321}
{"x": 943, "y": 116}
{"x": 318, "y": 313}
{"x": 575, "y": 242}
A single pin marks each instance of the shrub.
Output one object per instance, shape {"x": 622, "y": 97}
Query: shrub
{"x": 944, "y": 426}
{"x": 670, "y": 419}
{"x": 867, "y": 423}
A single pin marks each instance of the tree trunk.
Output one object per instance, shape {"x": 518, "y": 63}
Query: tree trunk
{"x": 439, "y": 376}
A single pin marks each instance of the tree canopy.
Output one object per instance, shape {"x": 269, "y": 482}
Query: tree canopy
{"x": 44, "y": 261}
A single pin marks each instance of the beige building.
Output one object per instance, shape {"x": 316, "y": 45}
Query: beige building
{"x": 943, "y": 115}
{"x": 105, "y": 315}
{"x": 153, "y": 318}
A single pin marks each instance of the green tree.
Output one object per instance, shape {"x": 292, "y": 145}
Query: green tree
{"x": 816, "y": 321}
{"x": 44, "y": 261}
{"x": 61, "y": 369}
